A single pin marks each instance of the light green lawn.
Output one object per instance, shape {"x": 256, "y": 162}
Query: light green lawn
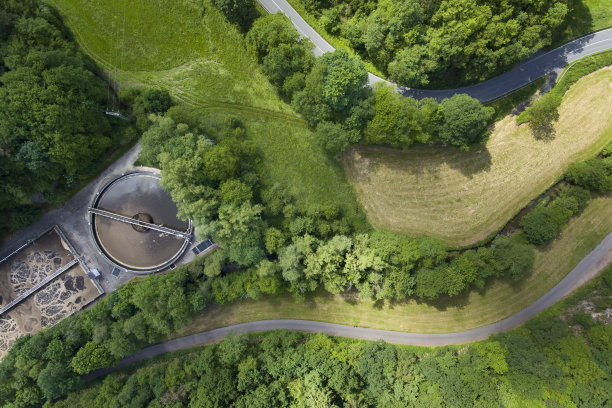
{"x": 601, "y": 13}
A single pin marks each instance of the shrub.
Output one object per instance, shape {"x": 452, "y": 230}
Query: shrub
{"x": 511, "y": 258}
{"x": 591, "y": 174}
{"x": 156, "y": 101}
{"x": 542, "y": 224}
{"x": 23, "y": 216}
{"x": 333, "y": 138}
{"x": 465, "y": 121}
{"x": 542, "y": 114}
{"x": 90, "y": 357}
{"x": 600, "y": 336}
{"x": 573, "y": 198}
{"x": 607, "y": 151}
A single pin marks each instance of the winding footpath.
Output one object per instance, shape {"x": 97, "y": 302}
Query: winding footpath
{"x": 590, "y": 266}
{"x": 522, "y": 74}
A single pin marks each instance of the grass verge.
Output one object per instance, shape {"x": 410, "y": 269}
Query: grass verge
{"x": 497, "y": 301}
{"x": 583, "y": 17}
{"x": 463, "y": 197}
{"x": 506, "y": 105}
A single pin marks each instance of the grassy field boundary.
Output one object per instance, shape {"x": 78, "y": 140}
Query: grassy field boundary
{"x": 590, "y": 64}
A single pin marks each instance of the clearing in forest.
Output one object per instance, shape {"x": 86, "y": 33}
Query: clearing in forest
{"x": 464, "y": 197}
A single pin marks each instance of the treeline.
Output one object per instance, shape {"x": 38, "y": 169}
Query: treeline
{"x": 333, "y": 95}
{"x": 550, "y": 361}
{"x": 542, "y": 224}
{"x": 542, "y": 361}
{"x": 442, "y": 43}
{"x": 53, "y": 129}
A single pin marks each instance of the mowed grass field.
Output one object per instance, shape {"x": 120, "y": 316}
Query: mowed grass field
{"x": 464, "y": 197}
{"x": 187, "y": 47}
{"x": 497, "y": 301}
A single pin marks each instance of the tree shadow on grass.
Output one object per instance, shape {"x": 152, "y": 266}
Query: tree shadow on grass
{"x": 462, "y": 300}
{"x": 577, "y": 21}
{"x": 368, "y": 160}
{"x": 544, "y": 131}
{"x": 475, "y": 161}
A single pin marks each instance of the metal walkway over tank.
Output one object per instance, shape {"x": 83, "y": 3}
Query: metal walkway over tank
{"x": 129, "y": 220}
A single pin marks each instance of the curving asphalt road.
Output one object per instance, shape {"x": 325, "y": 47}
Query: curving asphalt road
{"x": 591, "y": 265}
{"x": 522, "y": 74}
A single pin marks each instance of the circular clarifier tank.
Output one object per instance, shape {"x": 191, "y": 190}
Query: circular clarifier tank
{"x": 134, "y": 222}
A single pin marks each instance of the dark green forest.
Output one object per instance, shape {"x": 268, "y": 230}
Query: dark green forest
{"x": 444, "y": 42}
{"x": 52, "y": 123}
{"x": 562, "y": 358}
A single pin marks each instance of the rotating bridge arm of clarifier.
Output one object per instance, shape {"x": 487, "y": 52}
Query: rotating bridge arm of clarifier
{"x": 128, "y": 220}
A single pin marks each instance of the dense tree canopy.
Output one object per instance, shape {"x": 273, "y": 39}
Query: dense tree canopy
{"x": 52, "y": 122}
{"x": 465, "y": 121}
{"x": 286, "y": 59}
{"x": 333, "y": 88}
{"x": 419, "y": 43}
{"x": 334, "y": 97}
{"x": 559, "y": 359}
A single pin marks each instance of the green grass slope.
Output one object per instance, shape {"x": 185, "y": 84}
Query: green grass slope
{"x": 188, "y": 48}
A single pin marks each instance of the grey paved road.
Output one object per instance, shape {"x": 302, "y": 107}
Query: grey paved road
{"x": 521, "y": 75}
{"x": 587, "y": 269}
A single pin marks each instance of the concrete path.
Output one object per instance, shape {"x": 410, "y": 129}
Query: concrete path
{"x": 590, "y": 266}
{"x": 522, "y": 74}
{"x": 73, "y": 219}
